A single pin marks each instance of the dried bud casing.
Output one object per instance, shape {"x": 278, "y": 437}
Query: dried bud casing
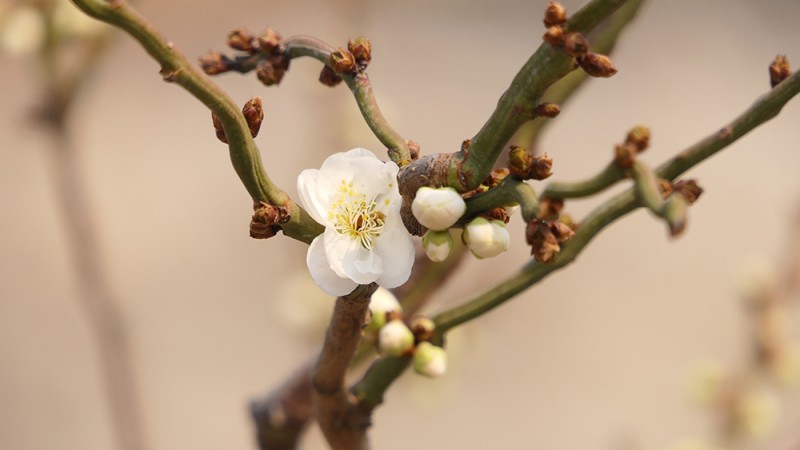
{"x": 576, "y": 44}
{"x": 422, "y": 327}
{"x": 543, "y": 242}
{"x": 254, "y": 114}
{"x": 215, "y": 63}
{"x": 271, "y": 71}
{"x": 555, "y": 14}
{"x": 779, "y": 70}
{"x": 554, "y": 36}
{"x": 241, "y": 39}
{"x": 562, "y": 231}
{"x": 265, "y": 220}
{"x": 270, "y": 41}
{"x": 542, "y": 167}
{"x": 550, "y": 208}
{"x": 689, "y": 189}
{"x": 342, "y": 61}
{"x": 328, "y": 77}
{"x": 625, "y": 155}
{"x": 639, "y": 136}
{"x": 520, "y": 161}
{"x": 361, "y": 48}
{"x": 549, "y": 110}
{"x": 597, "y": 65}
{"x": 218, "y": 128}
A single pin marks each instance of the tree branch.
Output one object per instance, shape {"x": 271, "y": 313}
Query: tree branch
{"x": 244, "y": 153}
{"x": 341, "y": 423}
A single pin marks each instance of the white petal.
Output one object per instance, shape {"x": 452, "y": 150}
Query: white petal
{"x": 396, "y": 249}
{"x": 323, "y": 274}
{"x": 308, "y": 186}
{"x": 363, "y": 266}
{"x": 337, "y": 247}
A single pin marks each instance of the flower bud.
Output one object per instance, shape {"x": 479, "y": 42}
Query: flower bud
{"x": 520, "y": 161}
{"x": 271, "y": 71}
{"x": 625, "y": 155}
{"x": 550, "y": 207}
{"x": 422, "y": 327}
{"x": 542, "y": 167}
{"x": 361, "y": 48}
{"x": 486, "y": 239}
{"x": 253, "y": 112}
{"x": 676, "y": 212}
{"x": 549, "y": 110}
{"x": 270, "y": 41}
{"x": 328, "y": 77}
{"x": 555, "y": 14}
{"x": 215, "y": 63}
{"x": 779, "y": 70}
{"x": 381, "y": 303}
{"x": 342, "y": 61}
{"x": 554, "y": 36}
{"x": 241, "y": 39}
{"x": 413, "y": 148}
{"x": 576, "y": 44}
{"x": 639, "y": 136}
{"x": 597, "y": 65}
{"x": 220, "y": 132}
{"x": 430, "y": 360}
{"x": 437, "y": 245}
{"x": 395, "y": 338}
{"x": 690, "y": 190}
{"x": 438, "y": 209}
{"x": 544, "y": 243}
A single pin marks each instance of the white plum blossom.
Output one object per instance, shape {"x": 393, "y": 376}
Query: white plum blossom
{"x": 355, "y": 196}
{"x": 486, "y": 238}
{"x": 438, "y": 209}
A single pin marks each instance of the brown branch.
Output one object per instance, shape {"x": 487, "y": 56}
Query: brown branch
{"x": 342, "y": 424}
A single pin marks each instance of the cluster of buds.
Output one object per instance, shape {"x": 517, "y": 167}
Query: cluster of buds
{"x": 637, "y": 141}
{"x": 779, "y": 70}
{"x": 265, "y": 53}
{"x": 266, "y": 220}
{"x": 395, "y": 338}
{"x": 545, "y": 238}
{"x": 253, "y": 112}
{"x": 438, "y": 210}
{"x": 350, "y": 61}
{"x": 688, "y": 189}
{"x": 527, "y": 166}
{"x": 575, "y": 44}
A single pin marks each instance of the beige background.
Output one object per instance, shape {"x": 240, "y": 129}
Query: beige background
{"x": 595, "y": 356}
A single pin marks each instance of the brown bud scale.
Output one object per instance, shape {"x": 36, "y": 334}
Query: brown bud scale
{"x": 555, "y": 14}
{"x": 328, "y": 77}
{"x": 576, "y": 44}
{"x": 779, "y": 70}
{"x": 253, "y": 112}
{"x": 596, "y": 65}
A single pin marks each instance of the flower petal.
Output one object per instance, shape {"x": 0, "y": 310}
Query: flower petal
{"x": 308, "y": 186}
{"x": 396, "y": 249}
{"x": 322, "y": 272}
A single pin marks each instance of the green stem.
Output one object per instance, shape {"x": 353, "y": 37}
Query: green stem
{"x": 605, "y": 179}
{"x": 618, "y": 206}
{"x": 361, "y": 88}
{"x": 510, "y": 192}
{"x": 244, "y": 154}
{"x": 468, "y": 168}
{"x": 646, "y": 186}
{"x": 603, "y": 42}
{"x": 380, "y": 375}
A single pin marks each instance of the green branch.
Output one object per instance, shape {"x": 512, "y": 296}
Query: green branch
{"x": 469, "y": 167}
{"x": 361, "y": 88}
{"x": 603, "y": 180}
{"x": 764, "y": 109}
{"x": 244, "y": 154}
{"x": 510, "y": 192}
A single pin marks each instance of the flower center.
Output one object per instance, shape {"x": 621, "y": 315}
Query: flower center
{"x": 355, "y": 216}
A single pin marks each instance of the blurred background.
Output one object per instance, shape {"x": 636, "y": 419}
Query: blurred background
{"x": 597, "y": 356}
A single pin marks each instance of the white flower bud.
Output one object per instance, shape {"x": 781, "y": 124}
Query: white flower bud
{"x": 438, "y": 209}
{"x": 485, "y": 238}
{"x": 395, "y": 338}
{"x": 437, "y": 245}
{"x": 382, "y": 302}
{"x": 430, "y": 360}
